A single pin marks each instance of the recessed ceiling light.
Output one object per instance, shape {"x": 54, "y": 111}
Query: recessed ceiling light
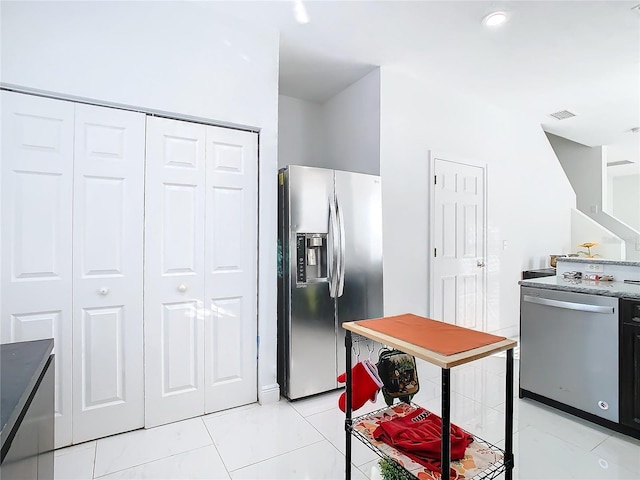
{"x": 300, "y": 12}
{"x": 495, "y": 19}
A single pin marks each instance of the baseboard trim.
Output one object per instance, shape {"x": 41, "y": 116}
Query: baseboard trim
{"x": 269, "y": 394}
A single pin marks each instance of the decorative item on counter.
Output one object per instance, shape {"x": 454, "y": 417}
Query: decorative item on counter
{"x": 553, "y": 259}
{"x": 588, "y": 246}
{"x": 598, "y": 278}
{"x": 572, "y": 275}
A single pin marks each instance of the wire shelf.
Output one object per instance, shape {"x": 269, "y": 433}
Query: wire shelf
{"x": 410, "y": 469}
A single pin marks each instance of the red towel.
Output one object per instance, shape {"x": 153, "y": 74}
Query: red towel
{"x": 418, "y": 436}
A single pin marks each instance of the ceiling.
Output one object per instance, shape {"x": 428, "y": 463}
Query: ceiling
{"x": 581, "y": 56}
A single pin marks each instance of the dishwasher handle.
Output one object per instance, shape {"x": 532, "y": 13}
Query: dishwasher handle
{"x": 582, "y": 307}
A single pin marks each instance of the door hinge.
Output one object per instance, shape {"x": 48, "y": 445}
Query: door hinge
{"x": 435, "y": 252}
{"x": 435, "y": 179}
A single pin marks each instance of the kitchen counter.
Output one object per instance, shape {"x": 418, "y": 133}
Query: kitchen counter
{"x": 600, "y": 261}
{"x": 27, "y": 409}
{"x": 610, "y": 289}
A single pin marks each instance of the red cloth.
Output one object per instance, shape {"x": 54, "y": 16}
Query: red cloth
{"x": 418, "y": 435}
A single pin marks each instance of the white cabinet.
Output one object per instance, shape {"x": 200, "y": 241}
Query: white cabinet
{"x": 200, "y": 269}
{"x": 72, "y": 255}
{"x": 37, "y": 193}
{"x": 108, "y": 219}
{"x": 174, "y": 270}
{"x": 231, "y": 276}
{"x": 89, "y": 259}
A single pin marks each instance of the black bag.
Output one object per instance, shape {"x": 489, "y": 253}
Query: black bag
{"x": 399, "y": 375}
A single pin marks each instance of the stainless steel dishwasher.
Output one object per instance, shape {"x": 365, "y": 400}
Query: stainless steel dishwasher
{"x": 569, "y": 349}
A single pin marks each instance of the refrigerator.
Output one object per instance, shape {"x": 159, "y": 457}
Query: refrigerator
{"x": 329, "y": 272}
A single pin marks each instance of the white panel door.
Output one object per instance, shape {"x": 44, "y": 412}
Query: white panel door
{"x": 174, "y": 270}
{"x": 108, "y": 223}
{"x": 231, "y": 269}
{"x": 37, "y": 182}
{"x": 458, "y": 238}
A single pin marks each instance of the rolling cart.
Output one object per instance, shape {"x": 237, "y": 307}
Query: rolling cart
{"x": 446, "y": 346}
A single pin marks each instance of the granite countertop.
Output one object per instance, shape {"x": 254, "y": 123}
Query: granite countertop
{"x": 602, "y": 261}
{"x": 21, "y": 367}
{"x": 610, "y": 289}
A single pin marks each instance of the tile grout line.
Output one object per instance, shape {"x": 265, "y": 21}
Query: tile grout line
{"x": 325, "y": 438}
{"x": 215, "y": 446}
{"x": 280, "y": 455}
{"x": 156, "y": 460}
{"x": 149, "y": 461}
{"x": 604, "y": 440}
{"x": 95, "y": 458}
{"x": 288, "y": 405}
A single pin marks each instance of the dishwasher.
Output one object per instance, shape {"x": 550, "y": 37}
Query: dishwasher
{"x": 569, "y": 350}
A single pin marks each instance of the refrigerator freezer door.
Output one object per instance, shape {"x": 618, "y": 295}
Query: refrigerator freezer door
{"x": 311, "y": 342}
{"x": 359, "y": 201}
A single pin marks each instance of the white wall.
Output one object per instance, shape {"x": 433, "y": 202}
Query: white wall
{"x": 529, "y": 198}
{"x": 584, "y": 229}
{"x": 342, "y": 133}
{"x": 301, "y": 133}
{"x": 352, "y": 120}
{"x": 175, "y": 57}
{"x": 626, "y": 199}
{"x": 585, "y": 168}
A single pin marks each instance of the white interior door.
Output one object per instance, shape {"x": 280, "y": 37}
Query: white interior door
{"x": 174, "y": 270}
{"x": 108, "y": 225}
{"x": 231, "y": 269}
{"x": 458, "y": 241}
{"x": 37, "y": 182}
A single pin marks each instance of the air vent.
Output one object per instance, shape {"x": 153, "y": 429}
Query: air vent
{"x": 562, "y": 115}
{"x": 621, "y": 162}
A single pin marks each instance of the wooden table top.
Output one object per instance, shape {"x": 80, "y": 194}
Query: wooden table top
{"x": 419, "y": 351}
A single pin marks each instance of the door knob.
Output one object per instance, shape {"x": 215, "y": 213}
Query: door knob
{"x": 182, "y": 288}
{"x": 104, "y": 291}
{"x": 480, "y": 264}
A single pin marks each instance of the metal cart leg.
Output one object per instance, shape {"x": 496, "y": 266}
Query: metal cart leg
{"x": 347, "y": 422}
{"x": 508, "y": 430}
{"x": 446, "y": 423}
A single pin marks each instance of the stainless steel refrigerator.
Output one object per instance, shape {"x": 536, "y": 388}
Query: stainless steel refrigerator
{"x": 330, "y": 271}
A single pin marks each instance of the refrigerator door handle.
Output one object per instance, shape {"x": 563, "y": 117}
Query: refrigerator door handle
{"x": 341, "y": 258}
{"x": 332, "y": 247}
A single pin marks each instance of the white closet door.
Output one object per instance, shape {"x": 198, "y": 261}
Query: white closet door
{"x": 37, "y": 182}
{"x": 108, "y": 213}
{"x": 174, "y": 270}
{"x": 231, "y": 269}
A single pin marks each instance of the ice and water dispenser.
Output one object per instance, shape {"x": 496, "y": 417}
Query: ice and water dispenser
{"x": 311, "y": 257}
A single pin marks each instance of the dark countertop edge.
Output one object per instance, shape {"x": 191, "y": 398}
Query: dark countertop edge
{"x": 578, "y": 289}
{"x": 15, "y": 414}
{"x": 602, "y": 261}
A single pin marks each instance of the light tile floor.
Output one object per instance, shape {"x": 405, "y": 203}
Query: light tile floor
{"x": 305, "y": 439}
